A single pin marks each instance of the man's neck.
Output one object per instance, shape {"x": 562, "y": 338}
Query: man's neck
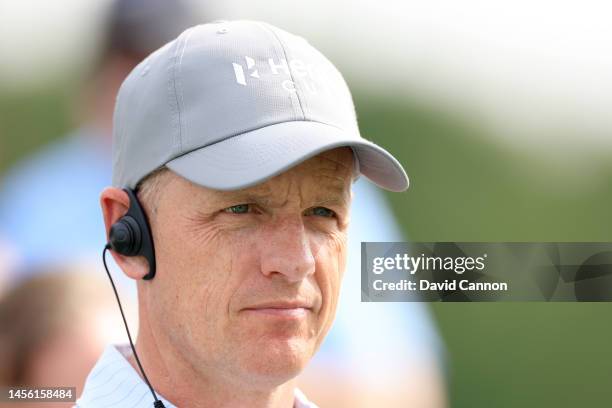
{"x": 178, "y": 382}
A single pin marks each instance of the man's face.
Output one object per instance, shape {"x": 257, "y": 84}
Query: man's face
{"x": 247, "y": 281}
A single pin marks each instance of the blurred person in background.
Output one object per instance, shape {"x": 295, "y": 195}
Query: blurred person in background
{"x": 375, "y": 346}
{"x": 54, "y": 326}
{"x": 73, "y": 169}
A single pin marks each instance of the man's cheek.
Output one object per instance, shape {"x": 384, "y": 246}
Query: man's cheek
{"x": 329, "y": 280}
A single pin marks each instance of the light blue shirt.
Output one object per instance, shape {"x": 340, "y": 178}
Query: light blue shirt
{"x": 113, "y": 382}
{"x": 49, "y": 203}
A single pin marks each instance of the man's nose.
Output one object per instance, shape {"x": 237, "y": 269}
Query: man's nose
{"x": 287, "y": 251}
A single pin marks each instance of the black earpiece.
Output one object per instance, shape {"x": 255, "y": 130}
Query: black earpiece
{"x": 131, "y": 235}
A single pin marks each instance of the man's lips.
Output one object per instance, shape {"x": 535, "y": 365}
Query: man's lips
{"x": 283, "y": 309}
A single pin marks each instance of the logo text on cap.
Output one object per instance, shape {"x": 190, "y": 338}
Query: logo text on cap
{"x": 295, "y": 66}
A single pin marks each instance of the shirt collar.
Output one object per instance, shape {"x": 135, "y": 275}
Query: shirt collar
{"x": 113, "y": 382}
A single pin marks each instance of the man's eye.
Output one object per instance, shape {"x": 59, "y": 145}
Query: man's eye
{"x": 238, "y": 209}
{"x": 321, "y": 212}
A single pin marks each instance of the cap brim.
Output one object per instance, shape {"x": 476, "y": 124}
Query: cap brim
{"x": 251, "y": 158}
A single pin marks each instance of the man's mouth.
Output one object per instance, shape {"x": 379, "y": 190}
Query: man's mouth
{"x": 281, "y": 309}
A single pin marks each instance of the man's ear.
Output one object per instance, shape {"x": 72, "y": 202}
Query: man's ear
{"x": 115, "y": 204}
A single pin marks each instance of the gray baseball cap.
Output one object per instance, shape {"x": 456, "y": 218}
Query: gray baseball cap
{"x": 229, "y": 104}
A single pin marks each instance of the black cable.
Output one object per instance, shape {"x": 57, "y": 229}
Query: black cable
{"x": 158, "y": 403}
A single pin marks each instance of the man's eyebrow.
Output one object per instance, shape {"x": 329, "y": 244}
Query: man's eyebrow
{"x": 243, "y": 196}
{"x": 333, "y": 194}
{"x": 336, "y": 200}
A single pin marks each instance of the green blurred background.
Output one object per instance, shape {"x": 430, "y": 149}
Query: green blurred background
{"x": 467, "y": 188}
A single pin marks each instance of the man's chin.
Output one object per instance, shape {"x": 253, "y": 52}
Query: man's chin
{"x": 276, "y": 358}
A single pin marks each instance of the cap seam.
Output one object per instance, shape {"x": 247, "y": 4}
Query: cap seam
{"x": 282, "y": 46}
{"x": 179, "y": 89}
{"x": 172, "y": 101}
{"x": 180, "y": 46}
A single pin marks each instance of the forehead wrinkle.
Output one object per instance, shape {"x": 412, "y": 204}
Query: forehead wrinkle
{"x": 331, "y": 189}
{"x": 333, "y": 181}
{"x": 336, "y": 177}
{"x": 337, "y": 157}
